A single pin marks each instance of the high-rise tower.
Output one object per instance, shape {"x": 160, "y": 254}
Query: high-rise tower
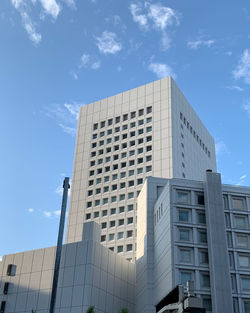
{"x": 147, "y": 131}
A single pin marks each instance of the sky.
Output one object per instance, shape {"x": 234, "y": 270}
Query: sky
{"x": 56, "y": 55}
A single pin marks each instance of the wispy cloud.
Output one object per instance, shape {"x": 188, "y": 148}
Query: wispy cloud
{"x": 196, "y": 44}
{"x": 155, "y": 16}
{"x": 52, "y": 214}
{"x": 246, "y": 107}
{"x": 50, "y": 7}
{"x": 88, "y": 61}
{"x": 107, "y": 43}
{"x": 65, "y": 115}
{"x": 234, "y": 87}
{"x": 161, "y": 70}
{"x": 243, "y": 68}
{"x": 70, "y": 3}
{"x": 31, "y": 210}
{"x": 220, "y": 147}
{"x": 241, "y": 180}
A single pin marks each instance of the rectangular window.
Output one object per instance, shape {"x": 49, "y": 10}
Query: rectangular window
{"x": 96, "y": 214}
{"x": 241, "y": 222}
{"x": 132, "y": 152}
{"x": 131, "y": 183}
{"x": 201, "y": 217}
{"x": 89, "y": 204}
{"x": 247, "y": 306}
{"x": 124, "y": 127}
{"x": 244, "y": 260}
{"x": 122, "y": 174}
{"x": 141, "y": 112}
{"x": 112, "y": 224}
{"x": 114, "y": 176}
{"x": 139, "y": 181}
{"x": 148, "y": 168}
{"x": 98, "y": 180}
{"x": 185, "y": 277}
{"x": 184, "y": 234}
{"x": 97, "y": 202}
{"x": 130, "y": 195}
{"x": 149, "y": 119}
{"x": 238, "y": 203}
{"x": 132, "y": 114}
{"x": 149, "y": 110}
{"x": 106, "y": 179}
{"x": 140, "y": 170}
{"x": 103, "y": 238}
{"x": 182, "y": 197}
{"x": 129, "y": 220}
{"x": 113, "y": 199}
{"x": 119, "y": 249}
{"x": 140, "y": 122}
{"x": 200, "y": 199}
{"x": 3, "y": 305}
{"x": 102, "y": 134}
{"x": 112, "y": 211}
{"x": 122, "y": 197}
{"x": 129, "y": 233}
{"x": 185, "y": 255}
{"x": 140, "y": 131}
{"x": 122, "y": 185}
{"x": 9, "y": 269}
{"x": 120, "y": 222}
{"x": 130, "y": 207}
{"x": 117, "y": 119}
{"x": 95, "y": 126}
{"x": 120, "y": 235}
{"x": 105, "y": 201}
{"x": 129, "y": 247}
{"x": 245, "y": 283}
{"x": 121, "y": 209}
{"x": 149, "y": 129}
{"x": 203, "y": 257}
{"x": 97, "y": 191}
{"x": 104, "y": 213}
{"x": 184, "y": 215}
{"x": 202, "y": 237}
{"x": 111, "y": 237}
{"x": 205, "y": 280}
{"x": 125, "y": 117}
{"x": 104, "y": 225}
{"x": 106, "y": 189}
{"x": 131, "y": 162}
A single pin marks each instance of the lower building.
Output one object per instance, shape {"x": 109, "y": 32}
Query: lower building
{"x": 194, "y": 232}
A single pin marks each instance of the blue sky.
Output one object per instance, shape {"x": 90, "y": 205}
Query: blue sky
{"x": 56, "y": 55}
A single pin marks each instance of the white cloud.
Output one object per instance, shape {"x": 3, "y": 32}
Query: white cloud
{"x": 234, "y": 87}
{"x": 243, "y": 68}
{"x": 88, "y": 61}
{"x": 57, "y": 213}
{"x": 31, "y": 210}
{"x": 70, "y": 3}
{"x": 34, "y": 36}
{"x": 196, "y": 44}
{"x": 141, "y": 19}
{"x": 95, "y": 65}
{"x": 241, "y": 180}
{"x": 74, "y": 75}
{"x": 17, "y": 3}
{"x": 108, "y": 44}
{"x": 162, "y": 16}
{"x": 51, "y": 7}
{"x": 246, "y": 107}
{"x": 161, "y": 70}
{"x": 52, "y": 214}
{"x": 65, "y": 115}
{"x": 47, "y": 214}
{"x": 220, "y": 147}
{"x": 84, "y": 60}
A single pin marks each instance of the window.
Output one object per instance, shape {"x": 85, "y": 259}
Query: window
{"x": 95, "y": 126}
{"x": 121, "y": 222}
{"x": 132, "y": 134}
{"x": 93, "y": 154}
{"x": 113, "y": 199}
{"x": 101, "y": 151}
{"x": 140, "y": 141}
{"x": 200, "y": 199}
{"x": 109, "y": 132}
{"x": 97, "y": 202}
{"x": 101, "y": 142}
{"x": 132, "y": 143}
{"x": 185, "y": 277}
{"x": 185, "y": 255}
{"x": 125, "y": 117}
{"x": 184, "y": 215}
{"x": 129, "y": 233}
{"x": 139, "y": 181}
{"x": 201, "y": 217}
{"x": 122, "y": 197}
{"x": 131, "y": 183}
{"x": 245, "y": 283}
{"x": 129, "y": 247}
{"x": 240, "y": 222}
{"x": 149, "y": 119}
{"x": 132, "y": 114}
{"x": 132, "y": 152}
{"x": 124, "y": 127}
{"x": 203, "y": 257}
{"x": 111, "y": 248}
{"x": 130, "y": 207}
{"x": 149, "y": 138}
{"x": 91, "y": 173}
{"x": 122, "y": 174}
{"x": 202, "y": 237}
{"x": 97, "y": 191}
{"x": 244, "y": 260}
{"x": 121, "y": 209}
{"x": 130, "y": 220}
{"x": 140, "y": 170}
{"x": 123, "y": 164}
{"x": 92, "y": 163}
{"x": 96, "y": 214}
{"x": 140, "y": 122}
{"x": 130, "y": 195}
{"x": 184, "y": 234}
{"x": 3, "y": 305}
{"x": 90, "y": 193}
{"x": 149, "y": 129}
{"x": 98, "y": 180}
{"x": 148, "y": 168}
{"x": 140, "y": 131}
{"x": 100, "y": 161}
{"x": 104, "y": 225}
{"x": 140, "y": 150}
{"x": 99, "y": 170}
{"x": 149, "y": 148}
{"x": 141, "y": 112}
{"x": 104, "y": 213}
{"x": 247, "y": 306}
{"x": 107, "y": 169}
{"x": 102, "y": 134}
{"x": 116, "y": 138}
{"x": 102, "y": 124}
{"x": 139, "y": 160}
{"x": 89, "y": 204}
{"x": 117, "y": 119}
{"x": 105, "y": 201}
{"x": 119, "y": 249}
{"x": 207, "y": 304}
{"x": 115, "y": 167}
{"x": 117, "y": 129}
{"x": 115, "y": 148}
{"x": 124, "y": 154}
{"x": 94, "y": 136}
{"x": 112, "y": 211}
{"x": 131, "y": 172}
{"x": 106, "y": 179}
{"x": 120, "y": 235}
{"x": 205, "y": 280}
{"x": 124, "y": 136}
{"x": 149, "y": 110}
{"x": 182, "y": 197}
{"x": 91, "y": 182}
{"x": 111, "y": 237}
{"x": 122, "y": 185}
{"x": 238, "y": 204}
{"x": 106, "y": 189}
{"x": 112, "y": 224}
{"x": 114, "y": 176}
{"x": 131, "y": 162}
{"x": 114, "y": 187}
{"x": 110, "y": 121}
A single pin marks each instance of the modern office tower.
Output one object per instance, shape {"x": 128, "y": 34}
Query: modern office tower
{"x": 198, "y": 231}
{"x": 147, "y": 131}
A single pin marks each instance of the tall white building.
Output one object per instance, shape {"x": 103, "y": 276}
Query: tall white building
{"x": 147, "y": 131}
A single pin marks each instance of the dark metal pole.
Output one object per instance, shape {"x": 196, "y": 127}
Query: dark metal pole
{"x": 66, "y": 187}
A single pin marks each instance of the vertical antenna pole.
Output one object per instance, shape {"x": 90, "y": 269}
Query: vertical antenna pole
{"x": 66, "y": 187}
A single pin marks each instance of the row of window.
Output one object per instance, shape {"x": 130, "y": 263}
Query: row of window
{"x": 113, "y": 223}
{"x": 112, "y": 199}
{"x": 129, "y": 248}
{"x": 123, "y": 155}
{"x": 120, "y": 235}
{"x": 124, "y": 145}
{"x": 239, "y": 221}
{"x": 116, "y": 166}
{"x": 130, "y": 183}
{"x": 186, "y": 234}
{"x": 112, "y": 211}
{"x": 186, "y": 276}
{"x": 124, "y": 117}
{"x": 124, "y": 127}
{"x": 241, "y": 240}
{"x": 186, "y": 255}
{"x": 195, "y": 135}
{"x": 184, "y": 197}
{"x": 237, "y": 203}
{"x": 121, "y": 175}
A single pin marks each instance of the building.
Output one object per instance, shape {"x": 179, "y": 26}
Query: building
{"x": 147, "y": 131}
{"x": 188, "y": 230}
{"x": 198, "y": 231}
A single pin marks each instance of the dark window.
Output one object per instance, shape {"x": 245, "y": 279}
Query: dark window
{"x": 149, "y": 110}
{"x": 108, "y": 149}
{"x": 5, "y": 288}
{"x": 3, "y": 304}
{"x": 125, "y": 117}
{"x": 110, "y": 121}
{"x": 95, "y": 126}
{"x": 102, "y": 124}
{"x": 9, "y": 269}
{"x": 141, "y": 112}
{"x": 117, "y": 119}
{"x": 132, "y": 114}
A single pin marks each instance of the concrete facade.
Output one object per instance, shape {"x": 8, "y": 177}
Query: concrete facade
{"x": 195, "y": 231}
{"x": 89, "y": 275}
{"x": 147, "y": 131}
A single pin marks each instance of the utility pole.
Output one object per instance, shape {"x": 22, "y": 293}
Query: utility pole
{"x": 66, "y": 187}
